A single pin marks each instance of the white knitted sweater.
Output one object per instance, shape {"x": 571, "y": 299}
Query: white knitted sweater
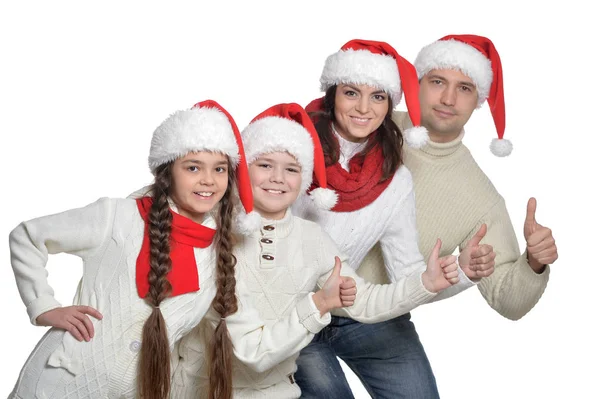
{"x": 107, "y": 235}
{"x": 514, "y": 288}
{"x": 282, "y": 263}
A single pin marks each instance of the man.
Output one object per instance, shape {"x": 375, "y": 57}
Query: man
{"x": 457, "y": 75}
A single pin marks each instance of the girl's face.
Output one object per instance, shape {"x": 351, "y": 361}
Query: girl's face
{"x": 199, "y": 183}
{"x": 359, "y": 110}
{"x": 276, "y": 180}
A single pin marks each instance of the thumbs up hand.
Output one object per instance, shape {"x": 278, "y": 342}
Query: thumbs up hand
{"x": 337, "y": 291}
{"x": 477, "y": 260}
{"x": 441, "y": 273}
{"x": 541, "y": 247}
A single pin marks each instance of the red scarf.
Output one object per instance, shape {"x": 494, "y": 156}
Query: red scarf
{"x": 359, "y": 186}
{"x": 185, "y": 236}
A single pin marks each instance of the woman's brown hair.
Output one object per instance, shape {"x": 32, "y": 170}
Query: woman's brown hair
{"x": 388, "y": 136}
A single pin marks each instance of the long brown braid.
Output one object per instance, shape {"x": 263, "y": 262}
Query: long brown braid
{"x": 389, "y": 136}
{"x": 154, "y": 380}
{"x": 225, "y": 301}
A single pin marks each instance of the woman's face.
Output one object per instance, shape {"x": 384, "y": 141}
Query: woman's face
{"x": 199, "y": 183}
{"x": 359, "y": 110}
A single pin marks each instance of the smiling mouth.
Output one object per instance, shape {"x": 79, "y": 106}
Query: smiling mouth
{"x": 276, "y": 192}
{"x": 360, "y": 121}
{"x": 204, "y": 194}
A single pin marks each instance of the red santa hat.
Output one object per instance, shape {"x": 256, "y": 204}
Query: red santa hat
{"x": 477, "y": 58}
{"x": 207, "y": 126}
{"x": 379, "y": 65}
{"x": 287, "y": 127}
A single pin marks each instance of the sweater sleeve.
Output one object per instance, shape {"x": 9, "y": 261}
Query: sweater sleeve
{"x": 514, "y": 288}
{"x": 374, "y": 302}
{"x": 262, "y": 346}
{"x": 78, "y": 232}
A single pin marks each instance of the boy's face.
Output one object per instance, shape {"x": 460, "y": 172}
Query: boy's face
{"x": 276, "y": 180}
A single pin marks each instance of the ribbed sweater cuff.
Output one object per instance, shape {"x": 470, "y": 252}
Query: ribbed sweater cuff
{"x": 417, "y": 292}
{"x": 309, "y": 315}
{"x": 531, "y": 276}
{"x": 41, "y": 305}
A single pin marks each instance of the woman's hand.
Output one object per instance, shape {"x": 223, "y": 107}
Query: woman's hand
{"x": 441, "y": 273}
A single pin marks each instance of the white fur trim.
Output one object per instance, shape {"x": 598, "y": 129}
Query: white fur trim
{"x": 453, "y": 54}
{"x": 416, "y": 137}
{"x": 501, "y": 147}
{"x": 247, "y": 223}
{"x": 274, "y": 133}
{"x": 196, "y": 129}
{"x": 363, "y": 67}
{"x": 324, "y": 198}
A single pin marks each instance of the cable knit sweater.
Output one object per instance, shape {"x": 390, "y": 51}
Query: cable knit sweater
{"x": 107, "y": 235}
{"x": 281, "y": 264}
{"x": 390, "y": 220}
{"x": 514, "y": 288}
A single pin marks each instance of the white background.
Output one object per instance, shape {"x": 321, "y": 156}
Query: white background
{"x": 83, "y": 85}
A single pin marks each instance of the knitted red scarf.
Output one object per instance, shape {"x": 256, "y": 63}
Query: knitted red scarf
{"x": 359, "y": 186}
{"x": 185, "y": 236}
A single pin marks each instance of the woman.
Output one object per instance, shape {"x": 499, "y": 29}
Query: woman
{"x": 364, "y": 81}
{"x": 153, "y": 268}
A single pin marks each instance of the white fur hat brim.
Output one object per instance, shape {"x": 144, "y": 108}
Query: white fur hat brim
{"x": 193, "y": 130}
{"x": 274, "y": 133}
{"x": 456, "y": 55}
{"x": 363, "y": 67}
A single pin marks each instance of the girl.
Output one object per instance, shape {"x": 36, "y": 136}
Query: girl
{"x": 289, "y": 257}
{"x": 363, "y": 82}
{"x": 152, "y": 267}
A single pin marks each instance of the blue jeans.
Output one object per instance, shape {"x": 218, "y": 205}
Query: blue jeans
{"x": 387, "y": 357}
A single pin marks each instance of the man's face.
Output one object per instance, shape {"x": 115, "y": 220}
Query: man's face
{"x": 448, "y": 98}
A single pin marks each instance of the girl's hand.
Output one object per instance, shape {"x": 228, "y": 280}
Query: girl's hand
{"x": 73, "y": 319}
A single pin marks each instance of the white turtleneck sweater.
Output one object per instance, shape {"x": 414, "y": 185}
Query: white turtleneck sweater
{"x": 280, "y": 264}
{"x": 107, "y": 235}
{"x": 390, "y": 220}
{"x": 514, "y": 288}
